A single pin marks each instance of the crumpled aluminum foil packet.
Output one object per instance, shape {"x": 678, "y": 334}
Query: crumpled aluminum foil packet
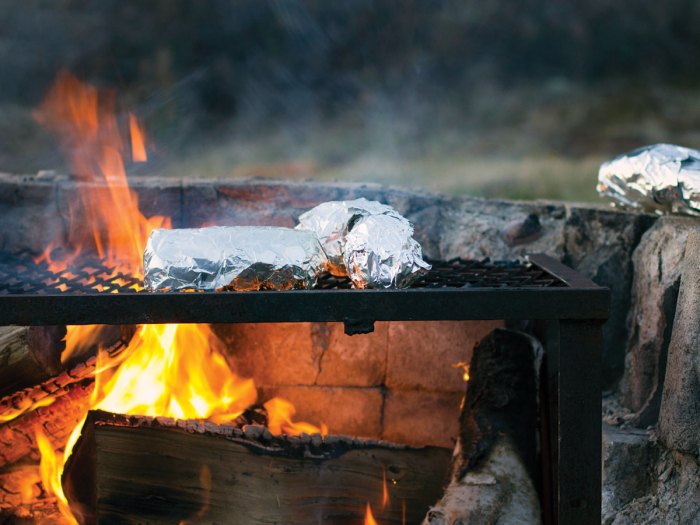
{"x": 368, "y": 241}
{"x": 232, "y": 258}
{"x": 659, "y": 178}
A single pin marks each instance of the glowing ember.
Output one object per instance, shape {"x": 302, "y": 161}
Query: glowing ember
{"x": 175, "y": 370}
{"x": 369, "y": 518}
{"x": 465, "y": 370}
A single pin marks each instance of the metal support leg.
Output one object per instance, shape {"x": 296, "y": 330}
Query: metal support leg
{"x": 574, "y": 392}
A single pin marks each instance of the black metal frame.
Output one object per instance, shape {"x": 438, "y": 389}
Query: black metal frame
{"x": 570, "y": 312}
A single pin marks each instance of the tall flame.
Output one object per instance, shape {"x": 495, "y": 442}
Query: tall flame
{"x": 369, "y": 518}
{"x": 109, "y": 223}
{"x": 175, "y": 370}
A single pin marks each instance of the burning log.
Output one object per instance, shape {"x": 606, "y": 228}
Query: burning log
{"x": 495, "y": 455}
{"x": 138, "y": 469}
{"x": 56, "y": 405}
{"x": 29, "y": 355}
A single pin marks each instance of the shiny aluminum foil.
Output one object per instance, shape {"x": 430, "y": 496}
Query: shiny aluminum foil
{"x": 331, "y": 222}
{"x": 232, "y": 258}
{"x": 368, "y": 241}
{"x": 659, "y": 178}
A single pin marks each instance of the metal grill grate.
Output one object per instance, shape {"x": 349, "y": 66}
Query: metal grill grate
{"x": 21, "y": 275}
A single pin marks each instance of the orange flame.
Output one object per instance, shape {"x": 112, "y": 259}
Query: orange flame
{"x": 174, "y": 370}
{"x": 369, "y": 518}
{"x": 167, "y": 370}
{"x": 279, "y": 414}
{"x": 110, "y": 223}
{"x": 51, "y": 469}
{"x": 138, "y": 147}
{"x": 385, "y": 489}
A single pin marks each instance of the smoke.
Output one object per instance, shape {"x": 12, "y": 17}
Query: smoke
{"x": 379, "y": 90}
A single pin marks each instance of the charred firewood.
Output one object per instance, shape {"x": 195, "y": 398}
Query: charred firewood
{"x": 253, "y": 415}
{"x": 29, "y": 355}
{"x": 56, "y": 405}
{"x": 130, "y": 469}
{"x": 496, "y": 453}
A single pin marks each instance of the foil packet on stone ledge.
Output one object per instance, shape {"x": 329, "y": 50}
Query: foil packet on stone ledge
{"x": 659, "y": 178}
{"x": 232, "y": 258}
{"x": 368, "y": 241}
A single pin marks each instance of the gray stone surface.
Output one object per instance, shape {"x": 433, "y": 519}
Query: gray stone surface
{"x": 674, "y": 495}
{"x": 657, "y": 263}
{"x": 29, "y": 218}
{"x": 594, "y": 240}
{"x": 628, "y": 462}
{"x": 679, "y": 422}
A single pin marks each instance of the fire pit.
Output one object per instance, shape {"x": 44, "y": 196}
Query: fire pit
{"x": 570, "y": 307}
{"x": 150, "y": 418}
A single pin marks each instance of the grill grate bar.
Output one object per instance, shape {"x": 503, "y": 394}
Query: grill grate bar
{"x": 20, "y": 274}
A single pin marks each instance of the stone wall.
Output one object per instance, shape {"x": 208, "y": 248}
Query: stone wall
{"x": 595, "y": 240}
{"x": 399, "y": 383}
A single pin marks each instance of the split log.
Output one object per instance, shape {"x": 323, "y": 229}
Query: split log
{"x": 133, "y": 469}
{"x": 57, "y": 405}
{"x": 495, "y": 456}
{"x": 29, "y": 355}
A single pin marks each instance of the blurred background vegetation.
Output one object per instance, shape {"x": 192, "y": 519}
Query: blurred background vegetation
{"x": 503, "y": 98}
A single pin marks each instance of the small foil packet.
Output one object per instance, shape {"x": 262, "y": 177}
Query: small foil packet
{"x": 659, "y": 178}
{"x": 368, "y": 241}
{"x": 232, "y": 258}
{"x": 331, "y": 222}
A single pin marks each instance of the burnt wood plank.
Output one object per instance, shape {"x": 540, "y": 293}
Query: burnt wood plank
{"x": 131, "y": 469}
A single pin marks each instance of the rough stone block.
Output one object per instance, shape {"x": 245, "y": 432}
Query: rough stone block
{"x": 156, "y": 196}
{"x": 251, "y": 202}
{"x": 29, "y": 213}
{"x": 159, "y": 196}
{"x": 422, "y": 354}
{"x": 657, "y": 265}
{"x": 348, "y": 411}
{"x": 679, "y": 423}
{"x": 628, "y": 457}
{"x": 422, "y": 418}
{"x": 596, "y": 241}
{"x": 358, "y": 360}
{"x": 306, "y": 353}
{"x": 272, "y": 353}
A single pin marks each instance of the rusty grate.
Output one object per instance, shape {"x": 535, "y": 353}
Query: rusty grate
{"x": 21, "y": 275}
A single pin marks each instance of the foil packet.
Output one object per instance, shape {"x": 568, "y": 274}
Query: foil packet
{"x": 663, "y": 178}
{"x": 239, "y": 258}
{"x": 368, "y": 241}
